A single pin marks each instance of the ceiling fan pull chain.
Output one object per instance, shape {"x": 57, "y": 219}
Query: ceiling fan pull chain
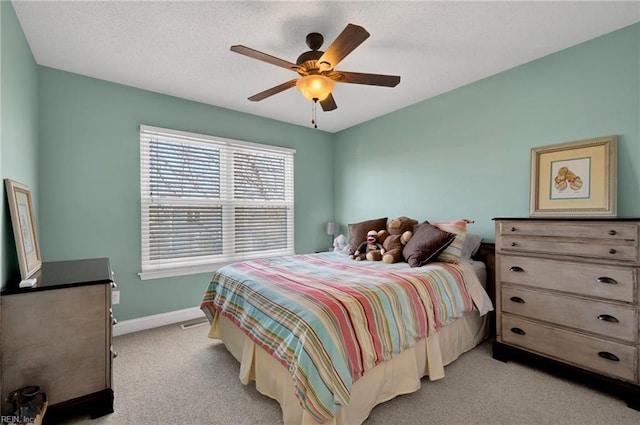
{"x": 314, "y": 107}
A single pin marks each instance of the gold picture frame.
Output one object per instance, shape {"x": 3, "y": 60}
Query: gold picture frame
{"x": 24, "y": 228}
{"x": 575, "y": 179}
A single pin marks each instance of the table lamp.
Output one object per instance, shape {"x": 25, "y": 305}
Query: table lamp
{"x": 332, "y": 229}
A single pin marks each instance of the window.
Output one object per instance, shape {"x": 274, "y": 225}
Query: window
{"x": 208, "y": 200}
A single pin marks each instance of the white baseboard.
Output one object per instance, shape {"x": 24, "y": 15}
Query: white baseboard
{"x": 156, "y": 320}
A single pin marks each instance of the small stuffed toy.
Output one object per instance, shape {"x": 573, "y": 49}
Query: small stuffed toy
{"x": 340, "y": 243}
{"x": 370, "y": 245}
{"x": 400, "y": 231}
{"x": 376, "y": 254}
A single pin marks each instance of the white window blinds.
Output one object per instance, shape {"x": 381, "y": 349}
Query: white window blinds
{"x": 209, "y": 200}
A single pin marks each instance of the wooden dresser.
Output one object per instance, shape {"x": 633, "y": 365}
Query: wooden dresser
{"x": 567, "y": 290}
{"x": 57, "y": 335}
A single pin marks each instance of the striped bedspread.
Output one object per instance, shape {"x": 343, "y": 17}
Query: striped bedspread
{"x": 329, "y": 319}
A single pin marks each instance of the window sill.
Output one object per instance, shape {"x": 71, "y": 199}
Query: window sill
{"x": 203, "y": 268}
{"x": 182, "y": 271}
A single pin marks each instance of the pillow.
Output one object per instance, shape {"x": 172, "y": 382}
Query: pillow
{"x": 358, "y": 231}
{"x": 471, "y": 245}
{"x": 426, "y": 243}
{"x": 453, "y": 252}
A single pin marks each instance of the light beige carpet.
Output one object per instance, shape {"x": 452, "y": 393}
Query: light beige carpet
{"x": 173, "y": 376}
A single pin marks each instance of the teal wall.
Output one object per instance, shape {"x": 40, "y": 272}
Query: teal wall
{"x": 18, "y": 128}
{"x": 90, "y": 178}
{"x": 466, "y": 153}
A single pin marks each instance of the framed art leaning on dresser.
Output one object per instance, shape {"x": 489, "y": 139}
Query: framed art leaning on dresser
{"x": 575, "y": 179}
{"x": 24, "y": 228}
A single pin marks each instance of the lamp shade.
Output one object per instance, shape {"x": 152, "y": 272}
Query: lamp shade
{"x": 332, "y": 228}
{"x": 315, "y": 86}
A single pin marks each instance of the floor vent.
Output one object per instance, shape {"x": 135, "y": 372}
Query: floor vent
{"x": 194, "y": 324}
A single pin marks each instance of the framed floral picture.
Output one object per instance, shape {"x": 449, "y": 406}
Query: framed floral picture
{"x": 24, "y": 228}
{"x": 575, "y": 179}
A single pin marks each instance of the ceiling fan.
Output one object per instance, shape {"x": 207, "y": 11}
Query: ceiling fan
{"x": 317, "y": 68}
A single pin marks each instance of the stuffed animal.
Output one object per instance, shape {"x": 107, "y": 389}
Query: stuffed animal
{"x": 376, "y": 254}
{"x": 400, "y": 231}
{"x": 340, "y": 243}
{"x": 371, "y": 244}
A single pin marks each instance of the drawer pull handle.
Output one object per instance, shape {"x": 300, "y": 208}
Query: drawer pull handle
{"x": 519, "y": 331}
{"x": 606, "y": 280}
{"x": 514, "y": 244}
{"x": 516, "y": 269}
{"x": 609, "y": 356}
{"x": 114, "y": 354}
{"x": 613, "y": 232}
{"x": 608, "y": 318}
{"x": 517, "y": 300}
{"x": 113, "y": 284}
{"x": 513, "y": 229}
{"x": 612, "y": 251}
{"x": 114, "y": 321}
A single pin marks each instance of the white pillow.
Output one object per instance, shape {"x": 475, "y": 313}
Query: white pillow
{"x": 471, "y": 245}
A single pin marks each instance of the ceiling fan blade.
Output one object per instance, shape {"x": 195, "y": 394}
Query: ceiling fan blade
{"x": 350, "y": 38}
{"x": 247, "y": 51}
{"x": 328, "y": 104}
{"x": 369, "y": 79}
{"x": 273, "y": 90}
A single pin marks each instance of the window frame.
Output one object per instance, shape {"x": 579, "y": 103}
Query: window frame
{"x": 152, "y": 269}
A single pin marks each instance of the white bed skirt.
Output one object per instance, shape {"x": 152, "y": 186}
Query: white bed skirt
{"x": 401, "y": 375}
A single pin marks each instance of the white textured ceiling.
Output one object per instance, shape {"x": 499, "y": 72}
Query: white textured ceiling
{"x": 181, "y": 48}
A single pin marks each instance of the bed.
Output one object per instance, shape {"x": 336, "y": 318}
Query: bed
{"x": 329, "y": 338}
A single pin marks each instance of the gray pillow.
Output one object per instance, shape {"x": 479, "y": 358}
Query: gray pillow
{"x": 471, "y": 245}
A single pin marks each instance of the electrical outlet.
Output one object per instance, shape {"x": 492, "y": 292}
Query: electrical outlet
{"x": 115, "y": 297}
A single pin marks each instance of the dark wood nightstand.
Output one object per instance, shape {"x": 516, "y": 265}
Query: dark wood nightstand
{"x": 57, "y": 335}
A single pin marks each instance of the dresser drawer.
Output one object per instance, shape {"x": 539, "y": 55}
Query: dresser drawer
{"x": 605, "y": 249}
{"x": 607, "y": 282}
{"x": 606, "y": 357}
{"x": 605, "y": 319}
{"x": 587, "y": 229}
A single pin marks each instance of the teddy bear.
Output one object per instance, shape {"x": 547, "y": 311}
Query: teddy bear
{"x": 368, "y": 246}
{"x": 400, "y": 231}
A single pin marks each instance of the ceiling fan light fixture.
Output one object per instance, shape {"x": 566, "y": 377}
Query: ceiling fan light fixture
{"x": 315, "y": 87}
